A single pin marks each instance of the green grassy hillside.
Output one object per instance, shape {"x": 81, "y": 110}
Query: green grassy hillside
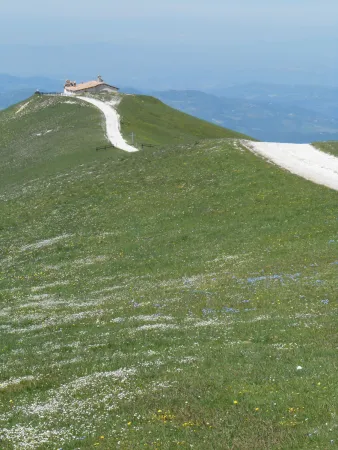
{"x": 47, "y": 133}
{"x": 328, "y": 147}
{"x": 44, "y": 134}
{"x": 153, "y": 122}
{"x": 179, "y": 297}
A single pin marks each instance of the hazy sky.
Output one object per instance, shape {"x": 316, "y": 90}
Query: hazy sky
{"x": 103, "y": 9}
{"x": 202, "y": 42}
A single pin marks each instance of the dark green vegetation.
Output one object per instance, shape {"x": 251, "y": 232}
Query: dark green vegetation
{"x": 155, "y": 123}
{"x": 179, "y": 297}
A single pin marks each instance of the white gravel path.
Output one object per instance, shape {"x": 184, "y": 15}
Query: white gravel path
{"x": 22, "y": 107}
{"x": 112, "y": 123}
{"x": 301, "y": 159}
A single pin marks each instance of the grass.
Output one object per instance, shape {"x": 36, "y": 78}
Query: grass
{"x": 328, "y": 147}
{"x": 183, "y": 297}
{"x": 48, "y": 133}
{"x": 155, "y": 123}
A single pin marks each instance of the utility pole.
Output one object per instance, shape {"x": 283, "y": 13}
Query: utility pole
{"x": 132, "y": 137}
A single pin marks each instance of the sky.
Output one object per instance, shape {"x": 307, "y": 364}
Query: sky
{"x": 172, "y": 43}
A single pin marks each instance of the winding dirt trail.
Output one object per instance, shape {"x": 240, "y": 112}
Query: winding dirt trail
{"x": 112, "y": 123}
{"x": 301, "y": 159}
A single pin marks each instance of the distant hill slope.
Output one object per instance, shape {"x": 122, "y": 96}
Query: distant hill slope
{"x": 156, "y": 123}
{"x": 265, "y": 120}
{"x": 15, "y": 89}
{"x": 11, "y": 83}
{"x": 322, "y": 99}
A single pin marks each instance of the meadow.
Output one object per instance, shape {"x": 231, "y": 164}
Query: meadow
{"x": 179, "y": 297}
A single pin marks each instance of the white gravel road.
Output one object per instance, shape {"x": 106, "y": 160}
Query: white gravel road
{"x": 301, "y": 159}
{"x": 112, "y": 123}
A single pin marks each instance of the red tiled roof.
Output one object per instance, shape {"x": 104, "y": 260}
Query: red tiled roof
{"x": 87, "y": 85}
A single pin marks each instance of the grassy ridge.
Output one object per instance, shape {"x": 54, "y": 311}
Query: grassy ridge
{"x": 328, "y": 147}
{"x": 47, "y": 134}
{"x": 153, "y": 122}
{"x": 166, "y": 299}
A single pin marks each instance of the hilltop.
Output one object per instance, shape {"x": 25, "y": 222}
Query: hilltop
{"x": 268, "y": 112}
{"x": 45, "y": 129}
{"x": 182, "y": 296}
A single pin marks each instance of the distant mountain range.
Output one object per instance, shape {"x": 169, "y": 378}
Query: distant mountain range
{"x": 264, "y": 111}
{"x": 316, "y": 98}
